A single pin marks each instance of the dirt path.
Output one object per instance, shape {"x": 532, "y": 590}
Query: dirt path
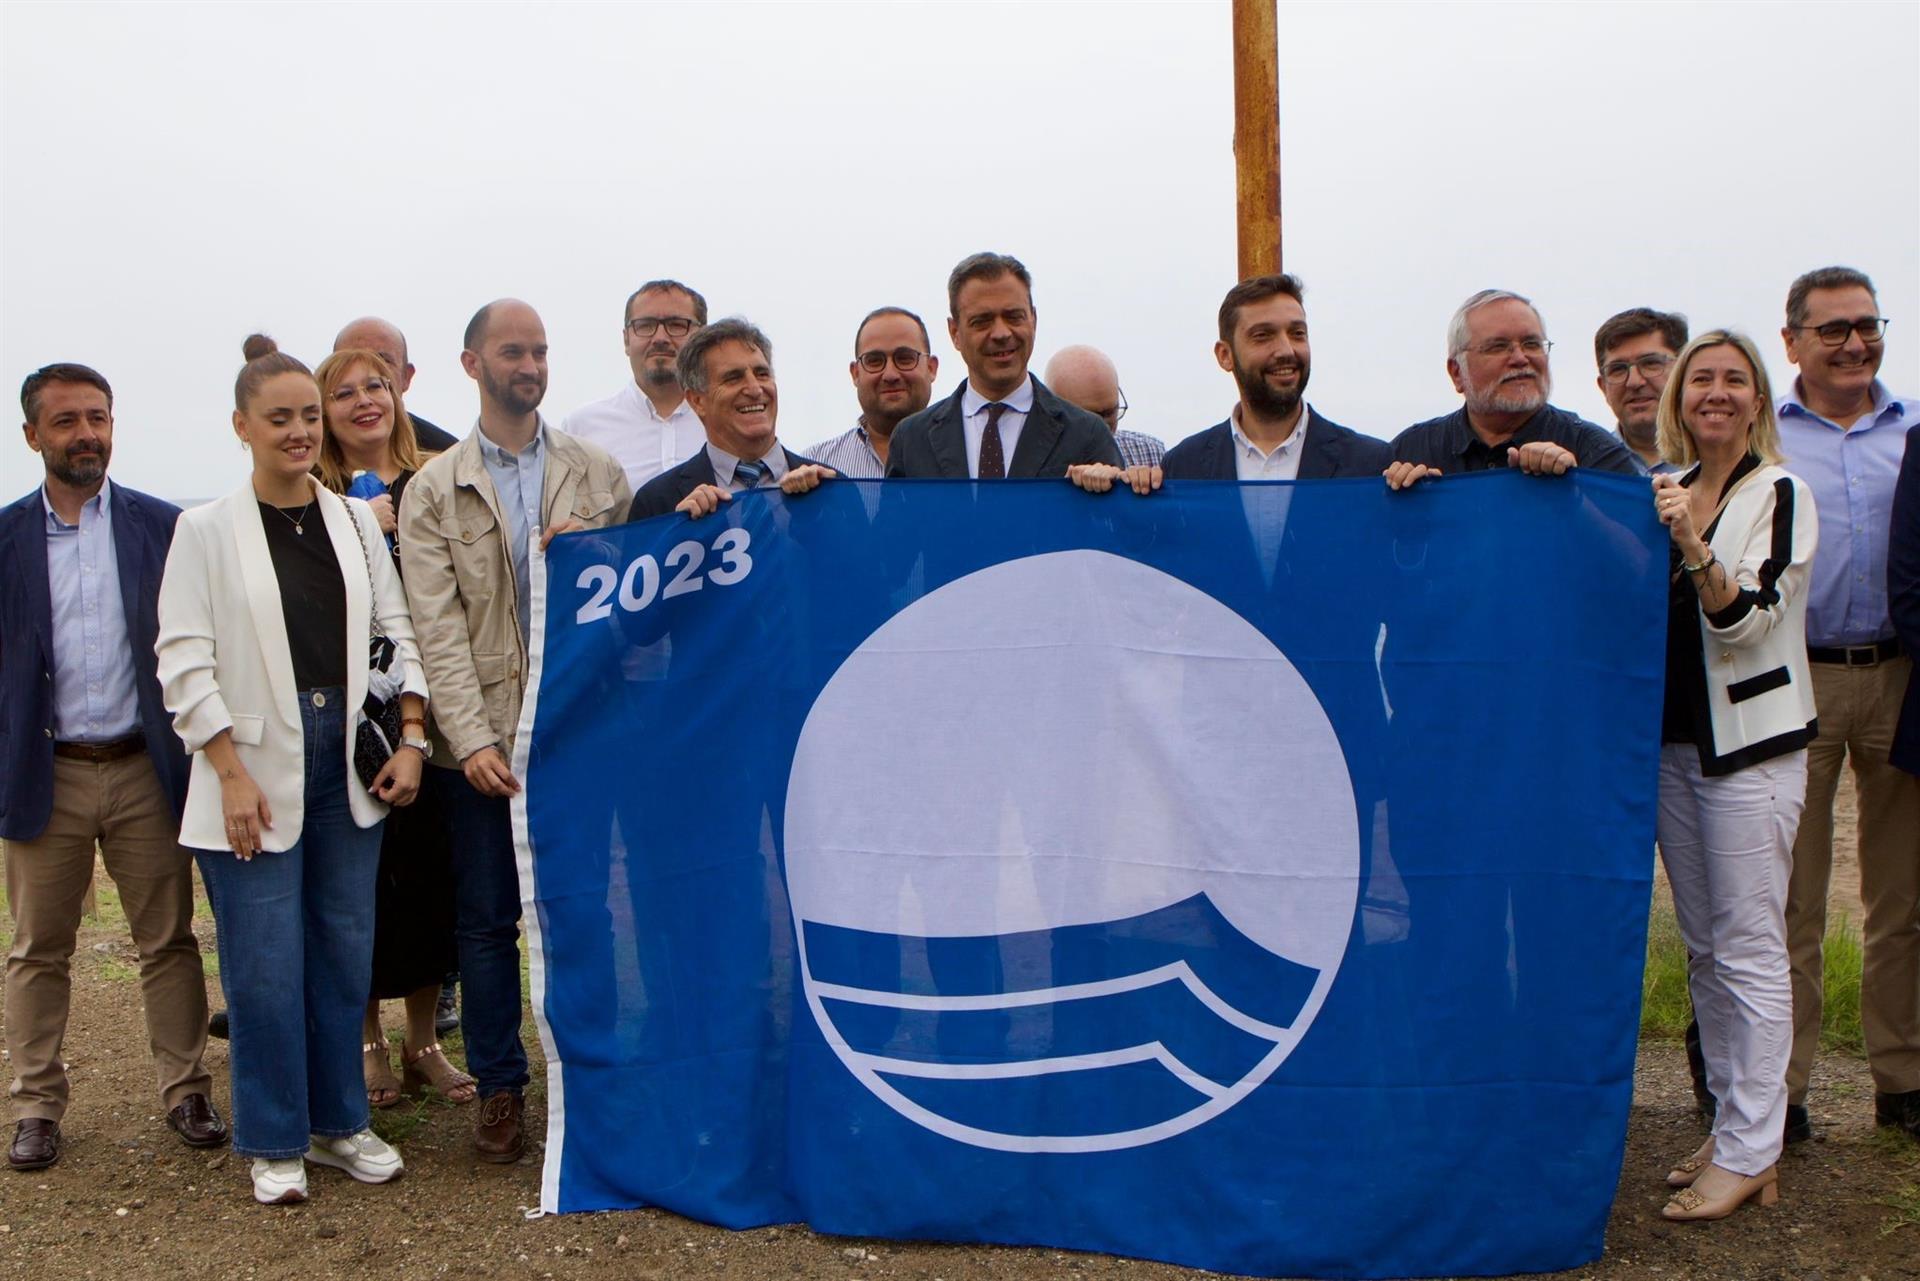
{"x": 127, "y": 1201}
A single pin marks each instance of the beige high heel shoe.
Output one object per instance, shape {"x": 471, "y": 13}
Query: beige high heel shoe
{"x": 1683, "y": 1175}
{"x": 1689, "y": 1206}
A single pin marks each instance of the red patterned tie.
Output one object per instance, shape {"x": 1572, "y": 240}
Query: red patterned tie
{"x": 993, "y": 461}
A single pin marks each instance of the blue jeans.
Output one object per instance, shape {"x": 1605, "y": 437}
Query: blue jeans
{"x": 486, "y": 908}
{"x": 296, "y": 956}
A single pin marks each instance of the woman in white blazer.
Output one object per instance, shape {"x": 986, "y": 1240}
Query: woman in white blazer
{"x": 265, "y": 609}
{"x": 1733, "y": 763}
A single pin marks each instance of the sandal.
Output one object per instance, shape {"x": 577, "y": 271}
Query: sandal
{"x": 383, "y": 1091}
{"x": 429, "y": 1067}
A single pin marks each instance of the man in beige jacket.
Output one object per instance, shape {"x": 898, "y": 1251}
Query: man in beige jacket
{"x": 468, "y": 527}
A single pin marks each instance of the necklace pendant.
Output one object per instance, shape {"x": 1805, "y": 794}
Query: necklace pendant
{"x": 299, "y": 529}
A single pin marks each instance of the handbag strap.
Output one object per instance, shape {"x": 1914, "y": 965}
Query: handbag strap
{"x": 373, "y": 596}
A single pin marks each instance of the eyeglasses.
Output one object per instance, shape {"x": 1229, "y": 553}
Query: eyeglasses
{"x": 1834, "y": 332}
{"x": 1119, "y": 411}
{"x": 347, "y": 393}
{"x": 1505, "y": 346}
{"x": 648, "y": 326}
{"x": 904, "y": 358}
{"x": 1649, "y": 365}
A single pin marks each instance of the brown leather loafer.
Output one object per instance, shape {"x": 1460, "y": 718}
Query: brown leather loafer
{"x": 499, "y": 1136}
{"x": 197, "y": 1124}
{"x": 36, "y": 1144}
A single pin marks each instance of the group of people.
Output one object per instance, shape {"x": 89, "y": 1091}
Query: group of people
{"x": 186, "y": 688}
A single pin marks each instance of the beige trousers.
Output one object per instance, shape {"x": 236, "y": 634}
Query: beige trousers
{"x": 122, "y": 806}
{"x": 1858, "y": 708}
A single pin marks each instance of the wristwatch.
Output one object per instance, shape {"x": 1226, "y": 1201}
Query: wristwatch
{"x": 418, "y": 744}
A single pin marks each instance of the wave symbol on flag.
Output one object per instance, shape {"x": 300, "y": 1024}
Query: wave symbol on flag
{"x": 1141, "y": 1019}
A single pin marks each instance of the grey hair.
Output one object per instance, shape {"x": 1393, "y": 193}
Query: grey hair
{"x": 692, "y": 363}
{"x": 1823, "y": 278}
{"x": 1457, "y": 327}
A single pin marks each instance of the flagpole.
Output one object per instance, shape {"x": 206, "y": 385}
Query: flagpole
{"x": 1256, "y": 134}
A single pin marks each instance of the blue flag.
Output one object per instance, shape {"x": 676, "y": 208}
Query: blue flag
{"x": 1253, "y": 877}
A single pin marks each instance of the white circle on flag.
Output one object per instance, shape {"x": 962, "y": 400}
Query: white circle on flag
{"x": 1068, "y": 740}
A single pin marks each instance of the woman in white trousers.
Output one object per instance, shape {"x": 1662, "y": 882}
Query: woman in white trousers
{"x": 1733, "y": 763}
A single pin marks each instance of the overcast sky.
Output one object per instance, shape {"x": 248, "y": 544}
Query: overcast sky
{"x": 176, "y": 175}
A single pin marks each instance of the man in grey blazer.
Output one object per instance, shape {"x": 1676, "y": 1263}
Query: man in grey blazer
{"x": 1002, "y": 422}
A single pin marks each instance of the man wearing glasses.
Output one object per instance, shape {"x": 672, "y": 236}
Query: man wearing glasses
{"x": 1845, "y": 435}
{"x": 1085, "y": 376}
{"x": 1497, "y": 352}
{"x": 647, "y": 425}
{"x": 1635, "y": 350}
{"x": 892, "y": 371}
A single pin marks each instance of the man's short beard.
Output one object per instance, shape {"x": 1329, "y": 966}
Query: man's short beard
{"x": 661, "y": 376}
{"x": 79, "y": 470}
{"x": 1496, "y": 401}
{"x": 1265, "y": 400}
{"x": 509, "y": 397}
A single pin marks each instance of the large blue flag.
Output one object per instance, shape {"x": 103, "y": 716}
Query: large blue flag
{"x": 1248, "y": 876}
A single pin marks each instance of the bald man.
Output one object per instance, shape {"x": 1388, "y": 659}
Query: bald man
{"x": 1083, "y": 376}
{"x": 384, "y": 339}
{"x": 464, "y": 533}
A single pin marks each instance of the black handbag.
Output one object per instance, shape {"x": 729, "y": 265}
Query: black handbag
{"x": 377, "y": 734}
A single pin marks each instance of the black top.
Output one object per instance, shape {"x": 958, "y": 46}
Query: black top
{"x": 433, "y": 439}
{"x": 1685, "y": 716}
{"x": 1450, "y": 444}
{"x": 313, "y": 595}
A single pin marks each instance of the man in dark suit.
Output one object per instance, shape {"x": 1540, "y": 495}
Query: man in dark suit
{"x": 726, "y": 369}
{"x": 1272, "y": 433}
{"x": 1002, "y": 422}
{"x": 370, "y": 333}
{"x": 90, "y": 757}
{"x": 1903, "y": 596}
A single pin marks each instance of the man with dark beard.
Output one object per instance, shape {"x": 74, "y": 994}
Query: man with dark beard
{"x": 1272, "y": 433}
{"x": 647, "y": 425}
{"x": 1497, "y": 357}
{"x": 465, "y": 528}
{"x": 91, "y": 758}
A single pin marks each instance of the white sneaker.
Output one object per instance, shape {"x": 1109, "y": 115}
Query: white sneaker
{"x": 364, "y": 1156}
{"x": 281, "y": 1182}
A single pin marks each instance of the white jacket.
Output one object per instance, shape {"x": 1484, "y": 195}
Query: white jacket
{"x": 1759, "y": 688}
{"x": 225, "y": 662}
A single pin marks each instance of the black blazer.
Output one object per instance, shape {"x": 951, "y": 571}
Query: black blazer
{"x": 142, "y": 535}
{"x": 1330, "y": 451}
{"x": 1903, "y": 596}
{"x": 663, "y": 493}
{"x": 932, "y": 444}
{"x": 433, "y": 439}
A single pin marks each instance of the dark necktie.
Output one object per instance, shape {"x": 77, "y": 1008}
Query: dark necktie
{"x": 749, "y": 474}
{"x": 993, "y": 459}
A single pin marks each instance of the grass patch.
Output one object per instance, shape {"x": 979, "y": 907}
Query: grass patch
{"x": 1904, "y": 1209}
{"x": 119, "y": 973}
{"x": 1665, "y": 1007}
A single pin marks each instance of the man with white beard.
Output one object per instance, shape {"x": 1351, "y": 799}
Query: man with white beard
{"x": 1497, "y": 357}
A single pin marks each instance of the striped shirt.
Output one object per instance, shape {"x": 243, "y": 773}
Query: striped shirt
{"x": 851, "y": 454}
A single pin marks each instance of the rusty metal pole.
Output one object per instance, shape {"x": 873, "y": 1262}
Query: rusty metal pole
{"x": 1256, "y": 133}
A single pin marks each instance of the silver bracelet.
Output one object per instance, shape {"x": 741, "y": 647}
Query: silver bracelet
{"x": 1705, "y": 564}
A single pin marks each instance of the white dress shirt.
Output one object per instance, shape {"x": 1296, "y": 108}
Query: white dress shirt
{"x": 1250, "y": 462}
{"x": 973, "y": 410}
{"x": 627, "y": 426}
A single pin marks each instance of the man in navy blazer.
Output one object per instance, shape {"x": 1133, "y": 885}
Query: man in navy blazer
{"x": 726, "y": 369}
{"x": 1002, "y": 422}
{"x": 88, "y": 754}
{"x": 1903, "y": 596}
{"x": 1272, "y": 433}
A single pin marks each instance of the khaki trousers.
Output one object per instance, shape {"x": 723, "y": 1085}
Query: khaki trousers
{"x": 1858, "y": 708}
{"x": 122, "y": 806}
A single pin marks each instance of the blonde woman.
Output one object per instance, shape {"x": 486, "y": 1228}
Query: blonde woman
{"x": 1733, "y": 762}
{"x": 370, "y": 451}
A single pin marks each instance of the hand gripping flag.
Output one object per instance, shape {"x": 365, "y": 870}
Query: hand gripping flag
{"x": 1248, "y": 876}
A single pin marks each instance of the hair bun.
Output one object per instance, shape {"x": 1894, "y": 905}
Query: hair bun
{"x": 258, "y": 345}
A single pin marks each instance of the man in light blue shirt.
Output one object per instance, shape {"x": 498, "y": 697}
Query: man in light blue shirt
{"x": 91, "y": 762}
{"x": 893, "y": 369}
{"x": 1844, "y": 434}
